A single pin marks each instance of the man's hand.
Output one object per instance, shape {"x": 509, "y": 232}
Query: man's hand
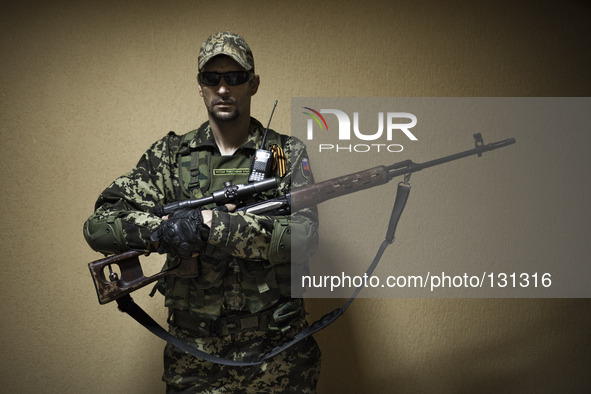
{"x": 183, "y": 233}
{"x": 207, "y": 216}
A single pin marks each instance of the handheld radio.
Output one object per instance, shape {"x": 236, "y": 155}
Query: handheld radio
{"x": 262, "y": 163}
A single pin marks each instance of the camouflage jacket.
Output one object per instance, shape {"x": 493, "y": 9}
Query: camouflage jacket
{"x": 250, "y": 255}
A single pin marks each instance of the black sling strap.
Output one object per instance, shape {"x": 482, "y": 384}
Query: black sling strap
{"x": 127, "y": 305}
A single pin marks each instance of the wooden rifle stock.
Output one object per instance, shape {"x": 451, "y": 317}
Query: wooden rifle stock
{"x": 316, "y": 193}
{"x": 110, "y": 287}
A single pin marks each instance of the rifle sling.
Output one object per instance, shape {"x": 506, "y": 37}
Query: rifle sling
{"x": 127, "y": 305}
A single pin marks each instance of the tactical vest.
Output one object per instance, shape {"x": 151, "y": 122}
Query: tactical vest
{"x": 224, "y": 283}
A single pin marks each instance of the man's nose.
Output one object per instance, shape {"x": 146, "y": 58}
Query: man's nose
{"x": 223, "y": 89}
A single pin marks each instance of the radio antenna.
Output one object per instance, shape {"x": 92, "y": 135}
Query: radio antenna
{"x": 264, "y": 140}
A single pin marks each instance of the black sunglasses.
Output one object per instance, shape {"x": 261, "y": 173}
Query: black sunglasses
{"x": 232, "y": 78}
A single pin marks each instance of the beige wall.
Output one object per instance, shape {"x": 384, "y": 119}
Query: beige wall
{"x": 87, "y": 86}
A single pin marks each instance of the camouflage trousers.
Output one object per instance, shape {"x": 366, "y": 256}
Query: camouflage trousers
{"x": 295, "y": 370}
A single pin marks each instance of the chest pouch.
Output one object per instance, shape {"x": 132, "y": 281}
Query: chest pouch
{"x": 193, "y": 168}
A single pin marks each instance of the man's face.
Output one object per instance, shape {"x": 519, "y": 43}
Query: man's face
{"x": 225, "y": 102}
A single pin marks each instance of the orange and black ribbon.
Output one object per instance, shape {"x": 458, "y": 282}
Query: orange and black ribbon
{"x": 279, "y": 161}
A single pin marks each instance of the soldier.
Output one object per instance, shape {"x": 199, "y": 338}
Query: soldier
{"x": 238, "y": 303}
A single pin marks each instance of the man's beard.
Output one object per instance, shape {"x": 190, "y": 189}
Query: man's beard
{"x": 225, "y": 116}
{"x": 222, "y": 115}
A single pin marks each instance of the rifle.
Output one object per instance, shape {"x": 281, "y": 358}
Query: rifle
{"x": 110, "y": 287}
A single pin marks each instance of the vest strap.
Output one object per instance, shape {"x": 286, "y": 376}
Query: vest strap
{"x": 194, "y": 171}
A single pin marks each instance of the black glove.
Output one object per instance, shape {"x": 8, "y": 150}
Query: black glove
{"x": 183, "y": 234}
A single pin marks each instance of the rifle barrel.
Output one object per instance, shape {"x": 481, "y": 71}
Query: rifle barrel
{"x": 409, "y": 167}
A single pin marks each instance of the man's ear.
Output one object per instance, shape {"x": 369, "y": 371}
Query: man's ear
{"x": 254, "y": 85}
{"x": 199, "y": 88}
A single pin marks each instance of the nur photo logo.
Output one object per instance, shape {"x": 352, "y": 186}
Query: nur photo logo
{"x": 390, "y": 125}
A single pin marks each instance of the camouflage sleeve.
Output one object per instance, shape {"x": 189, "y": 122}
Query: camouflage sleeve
{"x": 122, "y": 218}
{"x": 251, "y": 236}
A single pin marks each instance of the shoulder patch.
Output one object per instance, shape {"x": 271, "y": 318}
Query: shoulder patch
{"x": 305, "y": 169}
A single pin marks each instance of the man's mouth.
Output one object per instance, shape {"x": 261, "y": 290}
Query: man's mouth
{"x": 223, "y": 104}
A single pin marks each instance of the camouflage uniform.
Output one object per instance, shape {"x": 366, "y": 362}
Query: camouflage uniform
{"x": 245, "y": 270}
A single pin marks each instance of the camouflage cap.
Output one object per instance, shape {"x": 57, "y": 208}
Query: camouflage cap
{"x": 226, "y": 43}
